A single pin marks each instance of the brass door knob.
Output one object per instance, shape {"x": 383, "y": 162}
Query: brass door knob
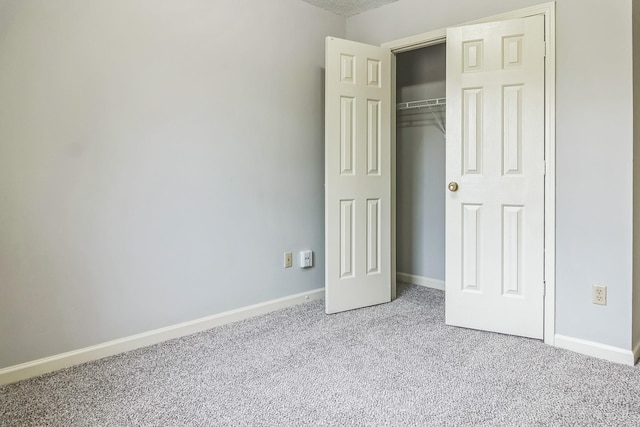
{"x": 453, "y": 186}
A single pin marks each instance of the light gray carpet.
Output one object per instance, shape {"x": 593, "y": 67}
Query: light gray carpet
{"x": 395, "y": 364}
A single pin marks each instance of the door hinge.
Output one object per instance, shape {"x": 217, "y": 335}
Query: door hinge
{"x": 544, "y": 48}
{"x": 544, "y": 288}
{"x": 544, "y": 167}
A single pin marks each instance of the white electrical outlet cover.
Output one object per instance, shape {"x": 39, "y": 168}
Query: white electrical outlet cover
{"x": 306, "y": 259}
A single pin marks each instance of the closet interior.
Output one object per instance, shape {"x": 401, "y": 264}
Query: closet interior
{"x": 420, "y": 171}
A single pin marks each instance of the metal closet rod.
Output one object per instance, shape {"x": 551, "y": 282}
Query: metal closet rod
{"x": 425, "y": 103}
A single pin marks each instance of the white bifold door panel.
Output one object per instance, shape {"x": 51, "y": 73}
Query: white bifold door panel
{"x": 357, "y": 175}
{"x": 495, "y": 155}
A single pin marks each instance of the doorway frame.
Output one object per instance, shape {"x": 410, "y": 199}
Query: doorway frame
{"x": 548, "y": 10}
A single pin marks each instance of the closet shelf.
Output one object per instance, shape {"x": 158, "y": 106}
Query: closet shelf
{"x": 425, "y": 103}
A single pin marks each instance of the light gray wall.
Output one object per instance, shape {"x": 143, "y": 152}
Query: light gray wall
{"x": 156, "y": 160}
{"x": 420, "y": 74}
{"x": 594, "y": 146}
{"x": 594, "y": 171}
{"x": 409, "y": 17}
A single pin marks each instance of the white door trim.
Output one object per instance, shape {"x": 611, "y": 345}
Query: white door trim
{"x": 548, "y": 10}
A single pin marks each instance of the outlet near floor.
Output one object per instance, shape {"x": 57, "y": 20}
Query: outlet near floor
{"x": 306, "y": 259}
{"x": 288, "y": 259}
{"x": 599, "y": 295}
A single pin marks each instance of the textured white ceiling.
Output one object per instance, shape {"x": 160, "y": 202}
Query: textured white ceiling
{"x": 348, "y": 7}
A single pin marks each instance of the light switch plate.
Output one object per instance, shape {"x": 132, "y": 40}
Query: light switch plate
{"x": 288, "y": 260}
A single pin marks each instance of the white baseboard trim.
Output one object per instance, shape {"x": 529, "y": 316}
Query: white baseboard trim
{"x": 34, "y": 368}
{"x": 594, "y": 349}
{"x": 420, "y": 281}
